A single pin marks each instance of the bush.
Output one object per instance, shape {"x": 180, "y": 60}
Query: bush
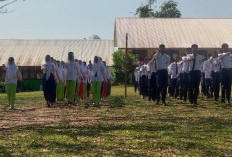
{"x": 119, "y": 67}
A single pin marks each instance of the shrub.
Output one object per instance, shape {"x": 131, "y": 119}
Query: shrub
{"x": 119, "y": 66}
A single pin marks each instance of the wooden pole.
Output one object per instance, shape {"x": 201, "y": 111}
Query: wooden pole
{"x": 126, "y": 66}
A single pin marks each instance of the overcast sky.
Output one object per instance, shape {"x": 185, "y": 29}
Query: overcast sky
{"x": 77, "y": 19}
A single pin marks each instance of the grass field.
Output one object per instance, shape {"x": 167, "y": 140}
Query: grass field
{"x": 120, "y": 127}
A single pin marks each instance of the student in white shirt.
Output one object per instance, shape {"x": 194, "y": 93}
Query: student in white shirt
{"x": 216, "y": 75}
{"x": 174, "y": 75}
{"x": 136, "y": 75}
{"x": 186, "y": 74}
{"x": 73, "y": 71}
{"x": 85, "y": 75}
{"x": 152, "y": 69}
{"x": 208, "y": 79}
{"x": 180, "y": 79}
{"x": 64, "y": 76}
{"x": 49, "y": 83}
{"x": 144, "y": 79}
{"x": 98, "y": 78}
{"x": 194, "y": 74}
{"x": 59, "y": 86}
{"x": 226, "y": 71}
{"x": 11, "y": 81}
{"x": 162, "y": 61}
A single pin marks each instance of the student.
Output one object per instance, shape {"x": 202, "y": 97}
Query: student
{"x": 186, "y": 74}
{"x": 162, "y": 60}
{"x": 78, "y": 81}
{"x": 59, "y": 86}
{"x": 89, "y": 77}
{"x": 225, "y": 59}
{"x": 85, "y": 77}
{"x": 180, "y": 80}
{"x": 73, "y": 71}
{"x": 203, "y": 86}
{"x": 174, "y": 75}
{"x": 98, "y": 72}
{"x": 152, "y": 69}
{"x": 90, "y": 66}
{"x": 194, "y": 74}
{"x": 208, "y": 78}
{"x": 11, "y": 81}
{"x": 49, "y": 83}
{"x": 64, "y": 76}
{"x": 215, "y": 73}
{"x": 137, "y": 77}
{"x": 144, "y": 78}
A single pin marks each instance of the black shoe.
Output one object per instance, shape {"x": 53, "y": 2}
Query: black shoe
{"x": 227, "y": 102}
{"x": 223, "y": 101}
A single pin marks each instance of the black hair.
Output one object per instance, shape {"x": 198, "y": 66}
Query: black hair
{"x": 162, "y": 46}
{"x": 194, "y": 45}
{"x": 224, "y": 45}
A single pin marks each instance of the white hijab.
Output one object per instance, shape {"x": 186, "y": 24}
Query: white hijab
{"x": 11, "y": 70}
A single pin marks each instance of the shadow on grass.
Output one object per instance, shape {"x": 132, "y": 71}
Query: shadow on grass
{"x": 4, "y": 152}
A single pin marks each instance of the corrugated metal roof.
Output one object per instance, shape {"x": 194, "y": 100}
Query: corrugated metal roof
{"x": 32, "y": 52}
{"x": 173, "y": 32}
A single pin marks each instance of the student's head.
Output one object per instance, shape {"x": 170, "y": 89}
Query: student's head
{"x": 47, "y": 58}
{"x": 188, "y": 51}
{"x": 58, "y": 63}
{"x": 194, "y": 48}
{"x": 177, "y": 58}
{"x": 225, "y": 47}
{"x": 71, "y": 56}
{"x": 162, "y": 48}
{"x": 146, "y": 60}
{"x": 52, "y": 59}
{"x": 215, "y": 54}
{"x": 76, "y": 60}
{"x": 84, "y": 63}
{"x": 90, "y": 62}
{"x": 80, "y": 62}
{"x": 95, "y": 59}
{"x": 62, "y": 62}
{"x": 11, "y": 60}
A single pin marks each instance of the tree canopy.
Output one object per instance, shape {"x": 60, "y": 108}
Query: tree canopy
{"x": 168, "y": 9}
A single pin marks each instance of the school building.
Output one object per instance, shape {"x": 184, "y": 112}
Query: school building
{"x": 29, "y": 55}
{"x": 146, "y": 34}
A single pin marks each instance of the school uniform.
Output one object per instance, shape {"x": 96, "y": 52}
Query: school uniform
{"x": 89, "y": 77}
{"x": 49, "y": 83}
{"x": 216, "y": 76}
{"x": 179, "y": 88}
{"x": 110, "y": 77}
{"x": 208, "y": 78}
{"x": 226, "y": 73}
{"x": 85, "y": 75}
{"x": 185, "y": 77}
{"x": 98, "y": 72}
{"x": 11, "y": 83}
{"x": 174, "y": 75}
{"x": 153, "y": 81}
{"x": 73, "y": 72}
{"x": 144, "y": 80}
{"x": 137, "y": 77}
{"x": 64, "y": 83}
{"x": 59, "y": 86}
{"x": 203, "y": 86}
{"x": 194, "y": 76}
{"x": 162, "y": 61}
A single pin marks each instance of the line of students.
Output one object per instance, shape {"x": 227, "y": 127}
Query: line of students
{"x": 73, "y": 80}
{"x": 182, "y": 77}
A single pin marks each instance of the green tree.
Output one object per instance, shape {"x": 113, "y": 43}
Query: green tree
{"x": 119, "y": 66}
{"x": 168, "y": 9}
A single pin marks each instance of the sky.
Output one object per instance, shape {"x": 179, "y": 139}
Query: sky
{"x": 78, "y": 19}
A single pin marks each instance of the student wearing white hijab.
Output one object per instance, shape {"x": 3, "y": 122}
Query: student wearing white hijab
{"x": 11, "y": 81}
{"x": 85, "y": 75}
{"x": 98, "y": 72}
{"x": 59, "y": 86}
{"x": 73, "y": 71}
{"x": 49, "y": 83}
{"x": 64, "y": 76}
